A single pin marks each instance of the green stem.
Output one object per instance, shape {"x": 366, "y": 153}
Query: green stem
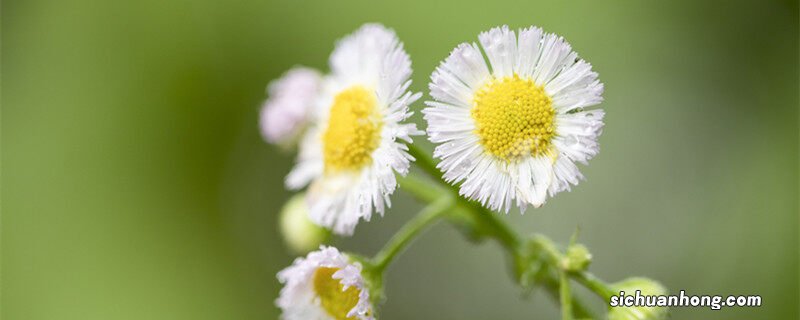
{"x": 565, "y": 296}
{"x": 424, "y": 161}
{"x": 402, "y": 238}
{"x": 422, "y": 189}
{"x": 552, "y": 284}
{"x": 493, "y": 227}
{"x": 489, "y": 224}
{"x": 497, "y": 227}
{"x": 593, "y": 283}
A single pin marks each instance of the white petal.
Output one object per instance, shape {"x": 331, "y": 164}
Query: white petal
{"x": 565, "y": 174}
{"x": 577, "y": 133}
{"x": 500, "y": 45}
{"x": 530, "y": 42}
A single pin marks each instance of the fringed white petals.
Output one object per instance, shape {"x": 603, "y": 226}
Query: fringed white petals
{"x": 297, "y": 299}
{"x": 372, "y": 57}
{"x": 287, "y": 111}
{"x": 548, "y": 61}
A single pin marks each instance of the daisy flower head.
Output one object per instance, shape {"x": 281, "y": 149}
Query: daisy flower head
{"x": 511, "y": 129}
{"x": 325, "y": 285}
{"x": 349, "y": 158}
{"x": 286, "y": 113}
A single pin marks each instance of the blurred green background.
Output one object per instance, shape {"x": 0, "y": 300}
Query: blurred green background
{"x": 135, "y": 184}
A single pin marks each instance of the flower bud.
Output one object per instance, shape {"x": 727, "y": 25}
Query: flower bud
{"x": 288, "y": 110}
{"x": 646, "y": 287}
{"x": 299, "y": 233}
{"x": 577, "y": 258}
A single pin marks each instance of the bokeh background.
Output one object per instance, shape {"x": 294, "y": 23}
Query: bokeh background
{"x": 135, "y": 184}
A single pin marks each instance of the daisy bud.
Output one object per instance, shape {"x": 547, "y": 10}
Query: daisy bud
{"x": 578, "y": 258}
{"x": 287, "y": 111}
{"x": 300, "y": 234}
{"x": 646, "y": 287}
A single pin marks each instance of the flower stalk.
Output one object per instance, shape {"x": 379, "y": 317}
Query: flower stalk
{"x": 539, "y": 252}
{"x": 410, "y": 230}
{"x": 565, "y": 296}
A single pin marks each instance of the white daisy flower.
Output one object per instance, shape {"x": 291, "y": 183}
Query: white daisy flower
{"x": 513, "y": 128}
{"x": 352, "y": 153}
{"x": 324, "y": 286}
{"x": 286, "y": 113}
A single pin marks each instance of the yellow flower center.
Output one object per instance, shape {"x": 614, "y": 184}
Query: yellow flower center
{"x": 514, "y": 118}
{"x": 336, "y": 301}
{"x": 354, "y": 130}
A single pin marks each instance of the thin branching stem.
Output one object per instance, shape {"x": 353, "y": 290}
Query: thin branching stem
{"x": 410, "y": 230}
{"x": 487, "y": 224}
